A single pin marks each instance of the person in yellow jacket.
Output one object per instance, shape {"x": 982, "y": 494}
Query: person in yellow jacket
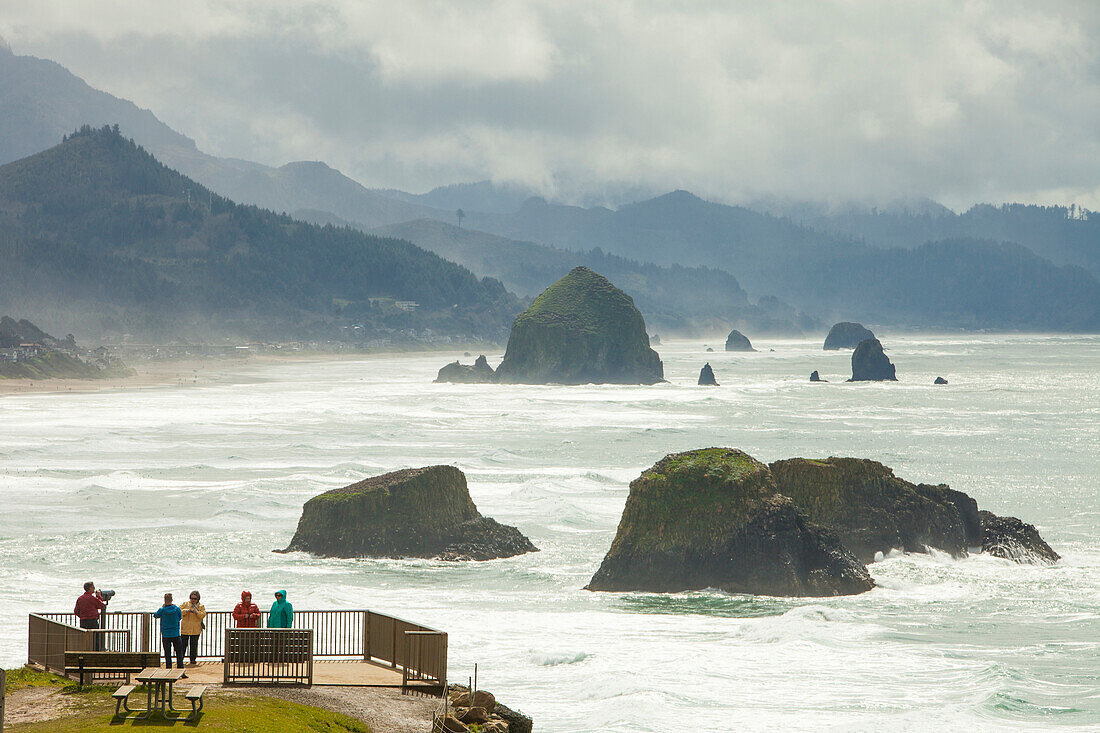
{"x": 191, "y": 625}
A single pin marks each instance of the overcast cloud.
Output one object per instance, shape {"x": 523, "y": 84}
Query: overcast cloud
{"x": 960, "y": 101}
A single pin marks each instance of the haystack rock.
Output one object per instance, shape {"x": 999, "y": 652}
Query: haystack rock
{"x": 706, "y": 376}
{"x": 580, "y": 330}
{"x": 846, "y": 335}
{"x": 415, "y": 512}
{"x": 479, "y": 373}
{"x": 737, "y": 341}
{"x": 870, "y": 363}
{"x": 713, "y": 518}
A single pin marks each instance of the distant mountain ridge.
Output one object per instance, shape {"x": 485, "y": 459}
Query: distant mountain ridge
{"x": 99, "y": 226}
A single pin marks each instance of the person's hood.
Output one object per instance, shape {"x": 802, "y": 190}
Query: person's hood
{"x": 284, "y": 597}
{"x": 246, "y": 597}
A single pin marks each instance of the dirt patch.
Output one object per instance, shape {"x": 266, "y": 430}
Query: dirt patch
{"x": 35, "y": 704}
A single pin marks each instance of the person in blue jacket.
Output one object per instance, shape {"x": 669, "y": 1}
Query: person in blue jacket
{"x": 170, "y": 615}
{"x": 282, "y": 613}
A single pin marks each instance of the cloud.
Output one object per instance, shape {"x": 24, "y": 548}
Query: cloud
{"x": 959, "y": 101}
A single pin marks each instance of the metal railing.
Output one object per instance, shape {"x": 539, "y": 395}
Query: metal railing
{"x": 337, "y": 634}
{"x": 268, "y": 656}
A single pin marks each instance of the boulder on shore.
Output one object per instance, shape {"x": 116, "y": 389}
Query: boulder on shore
{"x": 940, "y": 380}
{"x": 870, "y": 363}
{"x": 415, "y": 512}
{"x": 737, "y": 341}
{"x": 479, "y": 373}
{"x": 582, "y": 329}
{"x": 871, "y": 510}
{"x": 846, "y": 335}
{"x": 815, "y": 377}
{"x": 706, "y": 376}
{"x": 1014, "y": 539}
{"x": 714, "y": 518}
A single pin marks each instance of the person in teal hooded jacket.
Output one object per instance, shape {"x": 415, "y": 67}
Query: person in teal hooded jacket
{"x": 282, "y": 613}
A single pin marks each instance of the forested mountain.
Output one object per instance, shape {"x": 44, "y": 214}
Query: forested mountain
{"x": 670, "y": 297}
{"x": 958, "y": 283}
{"x": 99, "y": 225}
{"x": 41, "y": 101}
{"x": 1065, "y": 235}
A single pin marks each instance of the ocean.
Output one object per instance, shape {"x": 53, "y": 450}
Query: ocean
{"x": 179, "y": 487}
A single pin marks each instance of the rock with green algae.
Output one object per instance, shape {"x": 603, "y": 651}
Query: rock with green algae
{"x": 713, "y": 518}
{"x": 415, "y": 512}
{"x": 580, "y": 330}
{"x": 479, "y": 373}
{"x": 871, "y": 510}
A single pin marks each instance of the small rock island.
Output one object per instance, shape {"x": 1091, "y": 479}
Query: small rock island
{"x": 706, "y": 376}
{"x": 714, "y": 518}
{"x": 737, "y": 341}
{"x": 846, "y": 335}
{"x": 580, "y": 330}
{"x": 479, "y": 373}
{"x": 870, "y": 363}
{"x": 416, "y": 512}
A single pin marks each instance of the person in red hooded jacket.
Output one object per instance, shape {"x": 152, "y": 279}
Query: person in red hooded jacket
{"x": 246, "y": 612}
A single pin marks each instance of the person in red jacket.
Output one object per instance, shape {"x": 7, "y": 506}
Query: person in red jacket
{"x": 88, "y": 607}
{"x": 246, "y": 612}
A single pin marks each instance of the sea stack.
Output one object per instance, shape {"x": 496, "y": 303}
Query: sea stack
{"x": 870, "y": 363}
{"x": 415, "y": 512}
{"x": 580, "y": 330}
{"x": 815, "y": 377}
{"x": 846, "y": 335}
{"x": 479, "y": 373}
{"x": 706, "y": 376}
{"x": 737, "y": 341}
{"x": 713, "y": 518}
{"x": 940, "y": 380}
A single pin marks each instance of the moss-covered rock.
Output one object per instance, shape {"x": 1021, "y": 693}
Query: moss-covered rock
{"x": 1014, "y": 539}
{"x": 870, "y": 363}
{"x": 714, "y": 518}
{"x": 737, "y": 341}
{"x": 846, "y": 335}
{"x": 582, "y": 329}
{"x": 872, "y": 510}
{"x": 479, "y": 373}
{"x": 415, "y": 512}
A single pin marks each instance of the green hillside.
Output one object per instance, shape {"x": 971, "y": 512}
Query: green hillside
{"x": 97, "y": 226}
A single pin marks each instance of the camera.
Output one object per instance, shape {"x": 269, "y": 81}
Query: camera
{"x": 106, "y": 595}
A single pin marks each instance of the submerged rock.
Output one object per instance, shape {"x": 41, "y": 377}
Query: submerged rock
{"x": 737, "y": 341}
{"x": 415, "y": 512}
{"x": 940, "y": 380}
{"x": 479, "y": 373}
{"x": 870, "y": 363}
{"x": 871, "y": 510}
{"x": 846, "y": 335}
{"x": 1014, "y": 539}
{"x": 706, "y": 376}
{"x": 582, "y": 329}
{"x": 714, "y": 518}
{"x": 815, "y": 377}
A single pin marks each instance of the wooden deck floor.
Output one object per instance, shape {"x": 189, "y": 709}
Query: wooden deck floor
{"x": 325, "y": 672}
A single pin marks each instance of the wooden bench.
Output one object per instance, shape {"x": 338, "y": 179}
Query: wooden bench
{"x": 92, "y": 663}
{"x": 194, "y": 696}
{"x": 120, "y": 695}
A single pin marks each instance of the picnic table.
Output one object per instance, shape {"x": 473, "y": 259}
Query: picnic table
{"x": 158, "y": 688}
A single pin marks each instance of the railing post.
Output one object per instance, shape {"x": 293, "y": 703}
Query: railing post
{"x": 366, "y": 636}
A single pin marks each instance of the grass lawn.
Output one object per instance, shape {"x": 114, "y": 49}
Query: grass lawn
{"x": 234, "y": 711}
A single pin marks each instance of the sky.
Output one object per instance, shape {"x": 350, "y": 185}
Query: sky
{"x": 833, "y": 100}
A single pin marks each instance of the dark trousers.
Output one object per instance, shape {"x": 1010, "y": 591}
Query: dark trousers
{"x": 172, "y": 645}
{"x": 97, "y": 639}
{"x": 191, "y": 646}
